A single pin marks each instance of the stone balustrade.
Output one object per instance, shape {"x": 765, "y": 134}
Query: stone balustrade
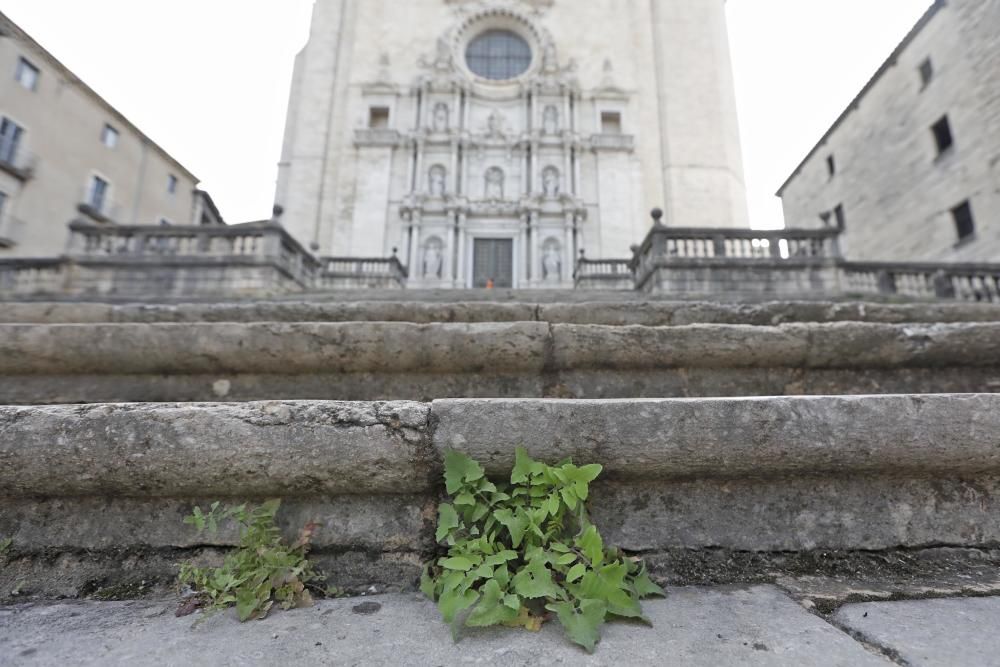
{"x": 608, "y": 274}
{"x": 354, "y": 272}
{"x": 962, "y": 282}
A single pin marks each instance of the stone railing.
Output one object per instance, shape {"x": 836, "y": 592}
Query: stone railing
{"x": 353, "y": 272}
{"x": 606, "y": 274}
{"x": 169, "y": 261}
{"x": 962, "y": 282}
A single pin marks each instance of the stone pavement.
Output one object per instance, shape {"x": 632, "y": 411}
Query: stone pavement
{"x": 693, "y": 626}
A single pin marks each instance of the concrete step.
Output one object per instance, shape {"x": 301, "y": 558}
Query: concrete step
{"x": 78, "y": 363}
{"x": 707, "y": 490}
{"x": 730, "y": 626}
{"x": 615, "y": 313}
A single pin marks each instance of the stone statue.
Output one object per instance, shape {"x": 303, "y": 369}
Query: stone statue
{"x": 433, "y": 259}
{"x": 442, "y": 58}
{"x": 437, "y": 180}
{"x": 549, "y": 61}
{"x": 441, "y": 113}
{"x": 495, "y": 124}
{"x": 494, "y": 183}
{"x": 550, "y": 182}
{"x": 550, "y": 120}
{"x": 552, "y": 263}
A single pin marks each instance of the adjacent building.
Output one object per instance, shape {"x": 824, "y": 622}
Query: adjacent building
{"x": 490, "y": 142}
{"x": 66, "y": 154}
{"x": 911, "y": 170}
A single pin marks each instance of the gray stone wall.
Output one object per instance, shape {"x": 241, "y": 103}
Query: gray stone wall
{"x": 896, "y": 191}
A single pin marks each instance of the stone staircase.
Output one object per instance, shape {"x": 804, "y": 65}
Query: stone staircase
{"x": 412, "y": 350}
{"x": 812, "y": 444}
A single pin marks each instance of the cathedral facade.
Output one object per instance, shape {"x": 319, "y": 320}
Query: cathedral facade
{"x": 491, "y": 142}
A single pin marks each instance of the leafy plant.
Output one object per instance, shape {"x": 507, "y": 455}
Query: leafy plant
{"x": 521, "y": 553}
{"x": 263, "y": 571}
{"x": 5, "y": 546}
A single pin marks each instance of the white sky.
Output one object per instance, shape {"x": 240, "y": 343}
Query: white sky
{"x": 208, "y": 79}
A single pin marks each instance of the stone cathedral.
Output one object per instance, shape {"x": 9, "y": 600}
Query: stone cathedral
{"x": 491, "y": 142}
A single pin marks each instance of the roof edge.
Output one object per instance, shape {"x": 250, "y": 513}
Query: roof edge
{"x": 889, "y": 63}
{"x": 8, "y": 28}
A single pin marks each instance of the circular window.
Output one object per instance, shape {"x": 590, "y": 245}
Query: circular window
{"x": 498, "y": 55}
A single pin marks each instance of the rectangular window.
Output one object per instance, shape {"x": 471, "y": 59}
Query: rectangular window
{"x": 964, "y": 223}
{"x": 27, "y": 74}
{"x": 97, "y": 197}
{"x": 10, "y": 140}
{"x": 942, "y": 135}
{"x": 109, "y": 136}
{"x": 831, "y": 166}
{"x": 926, "y": 72}
{"x": 611, "y": 122}
{"x": 838, "y": 215}
{"x": 378, "y": 118}
{"x": 171, "y": 184}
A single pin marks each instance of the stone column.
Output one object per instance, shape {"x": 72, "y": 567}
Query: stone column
{"x": 461, "y": 275}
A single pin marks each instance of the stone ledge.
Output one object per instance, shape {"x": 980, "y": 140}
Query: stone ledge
{"x": 513, "y": 348}
{"x": 258, "y": 449}
{"x": 637, "y": 312}
{"x": 326, "y": 448}
{"x": 733, "y": 438}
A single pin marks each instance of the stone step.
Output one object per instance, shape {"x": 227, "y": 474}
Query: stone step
{"x": 617, "y": 313}
{"x": 742, "y": 489}
{"x": 79, "y": 363}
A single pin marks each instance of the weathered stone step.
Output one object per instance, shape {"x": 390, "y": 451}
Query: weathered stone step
{"x": 402, "y": 361}
{"x": 618, "y": 313}
{"x": 93, "y": 496}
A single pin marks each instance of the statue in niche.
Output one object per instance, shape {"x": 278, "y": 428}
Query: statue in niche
{"x": 495, "y": 124}
{"x": 550, "y": 120}
{"x": 436, "y": 180}
{"x": 441, "y": 114}
{"x": 442, "y": 59}
{"x": 494, "y": 183}
{"x": 550, "y": 182}
{"x": 434, "y": 258}
{"x": 549, "y": 61}
{"x": 552, "y": 262}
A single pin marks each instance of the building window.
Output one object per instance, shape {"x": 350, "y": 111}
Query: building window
{"x": 499, "y": 55}
{"x": 926, "y": 72}
{"x": 378, "y": 118}
{"x": 831, "y": 166}
{"x": 164, "y": 222}
{"x": 11, "y": 135}
{"x": 109, "y": 136}
{"x": 839, "y": 217}
{"x": 611, "y": 122}
{"x": 942, "y": 135}
{"x": 171, "y": 184}
{"x": 97, "y": 194}
{"x": 27, "y": 74}
{"x": 3, "y": 204}
{"x": 965, "y": 225}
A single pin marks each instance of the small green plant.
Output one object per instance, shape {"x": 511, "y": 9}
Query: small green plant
{"x": 5, "y": 546}
{"x": 521, "y": 553}
{"x": 262, "y": 572}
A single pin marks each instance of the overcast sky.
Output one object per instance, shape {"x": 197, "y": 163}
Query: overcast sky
{"x": 209, "y": 79}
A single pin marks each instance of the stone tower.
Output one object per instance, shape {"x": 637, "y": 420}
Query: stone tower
{"x": 491, "y": 141}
